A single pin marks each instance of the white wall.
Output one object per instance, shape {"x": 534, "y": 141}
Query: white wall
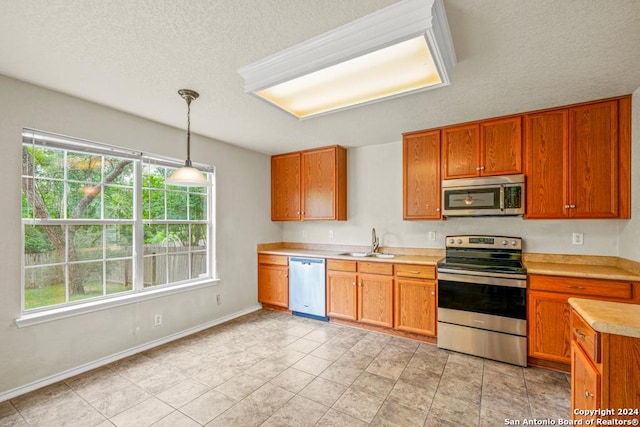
{"x": 375, "y": 200}
{"x": 630, "y": 230}
{"x": 32, "y": 353}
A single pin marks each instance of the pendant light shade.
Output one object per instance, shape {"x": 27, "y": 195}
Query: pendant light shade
{"x": 188, "y": 176}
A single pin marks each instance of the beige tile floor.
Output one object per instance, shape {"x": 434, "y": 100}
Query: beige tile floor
{"x": 274, "y": 369}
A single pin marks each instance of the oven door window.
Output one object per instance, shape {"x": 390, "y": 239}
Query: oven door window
{"x": 488, "y": 299}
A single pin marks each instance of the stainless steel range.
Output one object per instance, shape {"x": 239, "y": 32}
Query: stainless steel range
{"x": 482, "y": 294}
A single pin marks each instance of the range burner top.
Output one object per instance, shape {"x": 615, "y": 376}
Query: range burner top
{"x": 483, "y": 255}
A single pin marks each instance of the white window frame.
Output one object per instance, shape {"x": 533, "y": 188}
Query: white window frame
{"x": 138, "y": 291}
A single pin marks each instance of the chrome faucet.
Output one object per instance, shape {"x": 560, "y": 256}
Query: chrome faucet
{"x": 375, "y": 242}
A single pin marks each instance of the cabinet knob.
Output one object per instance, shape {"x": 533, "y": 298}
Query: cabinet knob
{"x": 573, "y": 206}
{"x": 587, "y": 394}
{"x": 579, "y": 333}
{"x": 353, "y": 284}
{"x": 433, "y": 293}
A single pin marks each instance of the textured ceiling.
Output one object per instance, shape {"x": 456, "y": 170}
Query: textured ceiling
{"x": 134, "y": 55}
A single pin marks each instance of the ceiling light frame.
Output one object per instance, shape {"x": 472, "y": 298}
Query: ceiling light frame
{"x": 392, "y": 25}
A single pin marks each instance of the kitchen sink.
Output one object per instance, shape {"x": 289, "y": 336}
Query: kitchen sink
{"x": 357, "y": 254}
{"x": 367, "y": 254}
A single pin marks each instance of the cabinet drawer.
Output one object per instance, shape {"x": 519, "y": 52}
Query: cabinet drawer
{"x": 375, "y": 268}
{"x": 585, "y": 336}
{"x": 416, "y": 271}
{"x": 578, "y": 286}
{"x": 338, "y": 265}
{"x": 273, "y": 259}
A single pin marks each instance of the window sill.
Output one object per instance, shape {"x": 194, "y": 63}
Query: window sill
{"x": 29, "y": 319}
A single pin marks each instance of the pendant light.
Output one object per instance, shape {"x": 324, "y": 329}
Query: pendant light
{"x": 188, "y": 176}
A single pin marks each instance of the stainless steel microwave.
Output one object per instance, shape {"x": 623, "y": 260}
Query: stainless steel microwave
{"x": 485, "y": 196}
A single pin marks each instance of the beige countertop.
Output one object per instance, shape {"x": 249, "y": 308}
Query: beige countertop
{"x": 610, "y": 272}
{"x": 423, "y": 259}
{"x": 585, "y": 266}
{"x": 609, "y": 317}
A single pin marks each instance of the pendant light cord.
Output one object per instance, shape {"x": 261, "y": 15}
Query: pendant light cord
{"x": 188, "y": 162}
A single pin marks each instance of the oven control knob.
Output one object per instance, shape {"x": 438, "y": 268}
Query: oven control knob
{"x": 451, "y": 241}
{"x": 459, "y": 241}
{"x": 514, "y": 243}
{"x": 504, "y": 243}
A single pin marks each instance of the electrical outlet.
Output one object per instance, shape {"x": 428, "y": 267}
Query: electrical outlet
{"x": 157, "y": 320}
{"x": 432, "y": 235}
{"x": 578, "y": 239}
{"x": 331, "y": 234}
{"x": 218, "y": 299}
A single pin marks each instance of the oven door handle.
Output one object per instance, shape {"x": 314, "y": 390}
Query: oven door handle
{"x": 482, "y": 280}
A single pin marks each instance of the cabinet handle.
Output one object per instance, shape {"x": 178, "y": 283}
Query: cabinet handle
{"x": 580, "y": 334}
{"x": 587, "y": 394}
{"x": 573, "y": 206}
{"x": 480, "y": 168}
{"x": 353, "y": 284}
{"x": 414, "y": 272}
{"x": 575, "y": 287}
{"x": 433, "y": 293}
{"x": 438, "y": 210}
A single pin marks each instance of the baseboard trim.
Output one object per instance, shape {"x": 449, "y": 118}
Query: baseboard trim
{"x": 10, "y": 394}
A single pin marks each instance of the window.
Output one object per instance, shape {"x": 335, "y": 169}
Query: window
{"x": 100, "y": 222}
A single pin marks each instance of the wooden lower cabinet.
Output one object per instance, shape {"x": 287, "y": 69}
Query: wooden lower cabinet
{"x": 342, "y": 295}
{"x": 585, "y": 383}
{"x": 273, "y": 280}
{"x": 605, "y": 373}
{"x": 549, "y": 335}
{"x": 415, "y": 299}
{"x": 360, "y": 291}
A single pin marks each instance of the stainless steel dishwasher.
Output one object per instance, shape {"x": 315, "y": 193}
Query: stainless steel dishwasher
{"x": 307, "y": 288}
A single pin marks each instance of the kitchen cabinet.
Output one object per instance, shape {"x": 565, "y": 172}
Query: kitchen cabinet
{"x": 360, "y": 291}
{"x": 285, "y": 187}
{"x": 605, "y": 371}
{"x": 485, "y": 148}
{"x": 273, "y": 280}
{"x": 309, "y": 185}
{"x": 415, "y": 299}
{"x": 421, "y": 186}
{"x": 577, "y": 161}
{"x": 549, "y": 335}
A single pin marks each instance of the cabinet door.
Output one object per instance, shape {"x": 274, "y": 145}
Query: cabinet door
{"x": 324, "y": 184}
{"x": 341, "y": 295}
{"x": 421, "y": 175}
{"x": 273, "y": 285}
{"x": 593, "y": 155}
{"x": 375, "y": 300}
{"x": 585, "y": 383}
{"x": 415, "y": 306}
{"x": 460, "y": 152}
{"x": 501, "y": 146}
{"x": 547, "y": 165}
{"x": 549, "y": 330}
{"x": 285, "y": 187}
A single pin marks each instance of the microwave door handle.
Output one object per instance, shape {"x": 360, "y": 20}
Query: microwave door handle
{"x": 502, "y": 197}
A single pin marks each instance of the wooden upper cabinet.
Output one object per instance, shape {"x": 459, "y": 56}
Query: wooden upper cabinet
{"x": 547, "y": 164}
{"x": 285, "y": 187}
{"x": 309, "y": 185}
{"x": 421, "y": 180}
{"x": 593, "y": 155}
{"x": 501, "y": 146}
{"x": 577, "y": 161}
{"x": 486, "y": 148}
{"x": 460, "y": 152}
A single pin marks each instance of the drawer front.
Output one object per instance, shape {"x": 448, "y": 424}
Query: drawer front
{"x": 338, "y": 265}
{"x": 416, "y": 271}
{"x": 572, "y": 285}
{"x": 375, "y": 268}
{"x": 273, "y": 259}
{"x": 585, "y": 336}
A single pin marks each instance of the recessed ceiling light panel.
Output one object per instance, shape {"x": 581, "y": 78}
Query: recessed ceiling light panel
{"x": 398, "y": 50}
